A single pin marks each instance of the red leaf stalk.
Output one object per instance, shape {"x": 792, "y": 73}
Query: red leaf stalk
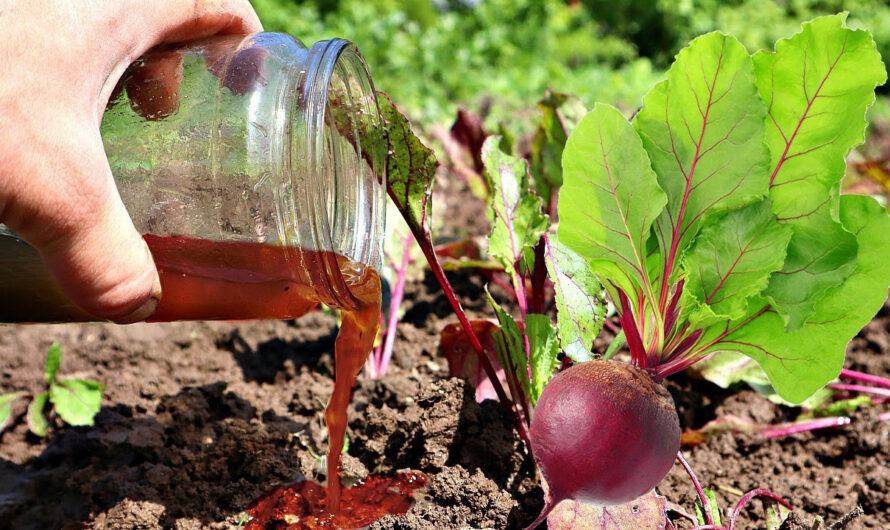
{"x": 709, "y": 519}
{"x": 631, "y": 333}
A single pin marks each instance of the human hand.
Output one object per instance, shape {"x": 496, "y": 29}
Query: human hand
{"x": 59, "y": 62}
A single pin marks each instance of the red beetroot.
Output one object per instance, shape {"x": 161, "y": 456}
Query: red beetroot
{"x": 604, "y": 433}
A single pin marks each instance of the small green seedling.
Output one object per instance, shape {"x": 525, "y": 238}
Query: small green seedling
{"x": 75, "y": 401}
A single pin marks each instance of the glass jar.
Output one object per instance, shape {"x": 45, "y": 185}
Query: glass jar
{"x": 253, "y": 167}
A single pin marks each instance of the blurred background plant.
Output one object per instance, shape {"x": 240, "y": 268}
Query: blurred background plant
{"x": 498, "y": 56}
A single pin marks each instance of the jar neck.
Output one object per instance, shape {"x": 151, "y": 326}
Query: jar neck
{"x": 334, "y": 166}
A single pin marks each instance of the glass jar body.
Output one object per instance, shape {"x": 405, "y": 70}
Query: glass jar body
{"x": 241, "y": 160}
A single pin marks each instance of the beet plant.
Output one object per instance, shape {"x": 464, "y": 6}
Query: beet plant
{"x": 715, "y": 223}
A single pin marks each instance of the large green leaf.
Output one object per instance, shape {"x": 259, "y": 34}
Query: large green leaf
{"x": 580, "y": 306}
{"x": 817, "y": 86}
{"x": 800, "y": 362}
{"x": 6, "y": 401}
{"x": 703, "y": 129}
{"x": 543, "y": 346}
{"x": 609, "y": 199}
{"x": 514, "y": 211}
{"x": 76, "y": 401}
{"x": 731, "y": 261}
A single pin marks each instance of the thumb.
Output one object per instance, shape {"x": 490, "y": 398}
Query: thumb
{"x": 69, "y": 209}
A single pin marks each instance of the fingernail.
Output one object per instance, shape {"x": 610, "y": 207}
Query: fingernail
{"x": 147, "y": 309}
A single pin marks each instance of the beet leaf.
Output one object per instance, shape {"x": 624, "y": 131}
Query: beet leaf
{"x": 543, "y": 351}
{"x": 580, "y": 307}
{"x": 800, "y": 362}
{"x": 731, "y": 261}
{"x": 513, "y": 355}
{"x": 703, "y": 129}
{"x": 609, "y": 200}
{"x": 517, "y": 222}
{"x": 560, "y": 113}
{"x": 529, "y": 354}
{"x": 37, "y": 422}
{"x": 817, "y": 86}
{"x": 410, "y": 172}
{"x": 6, "y": 401}
{"x": 715, "y": 220}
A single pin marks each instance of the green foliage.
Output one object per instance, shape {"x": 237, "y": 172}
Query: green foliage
{"x": 657, "y": 28}
{"x": 53, "y": 361}
{"x": 37, "y": 422}
{"x": 706, "y": 113}
{"x": 510, "y": 346}
{"x": 500, "y": 54}
{"x": 580, "y": 304}
{"x": 842, "y": 407}
{"x": 6, "y": 401}
{"x": 514, "y": 212}
{"x": 411, "y": 169}
{"x": 731, "y": 261}
{"x": 818, "y": 86}
{"x": 75, "y": 401}
{"x": 747, "y": 157}
{"x": 776, "y": 515}
{"x": 713, "y": 508}
{"x": 533, "y": 367}
{"x": 433, "y": 56}
{"x": 609, "y": 200}
{"x": 543, "y": 351}
{"x": 560, "y": 113}
{"x": 801, "y": 361}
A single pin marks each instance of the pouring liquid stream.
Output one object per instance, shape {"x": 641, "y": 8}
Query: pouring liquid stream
{"x": 237, "y": 280}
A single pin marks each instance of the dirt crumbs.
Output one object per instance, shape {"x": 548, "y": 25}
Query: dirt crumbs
{"x": 201, "y": 418}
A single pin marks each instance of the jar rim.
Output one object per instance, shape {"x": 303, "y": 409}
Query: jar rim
{"x": 340, "y": 159}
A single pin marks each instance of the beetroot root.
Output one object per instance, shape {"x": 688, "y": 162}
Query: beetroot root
{"x": 604, "y": 433}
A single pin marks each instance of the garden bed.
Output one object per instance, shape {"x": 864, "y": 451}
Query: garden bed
{"x": 200, "y": 418}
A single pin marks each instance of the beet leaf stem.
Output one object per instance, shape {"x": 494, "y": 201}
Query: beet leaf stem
{"x": 429, "y": 253}
{"x": 853, "y": 375}
{"x": 861, "y": 388}
{"x": 709, "y": 519}
{"x": 759, "y": 492}
{"x": 397, "y": 294}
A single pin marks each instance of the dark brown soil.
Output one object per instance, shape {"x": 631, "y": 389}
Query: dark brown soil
{"x": 200, "y": 418}
{"x": 827, "y": 473}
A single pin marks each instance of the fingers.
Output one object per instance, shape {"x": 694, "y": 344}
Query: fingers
{"x": 153, "y": 85}
{"x": 64, "y": 203}
{"x": 182, "y": 20}
{"x": 242, "y": 72}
